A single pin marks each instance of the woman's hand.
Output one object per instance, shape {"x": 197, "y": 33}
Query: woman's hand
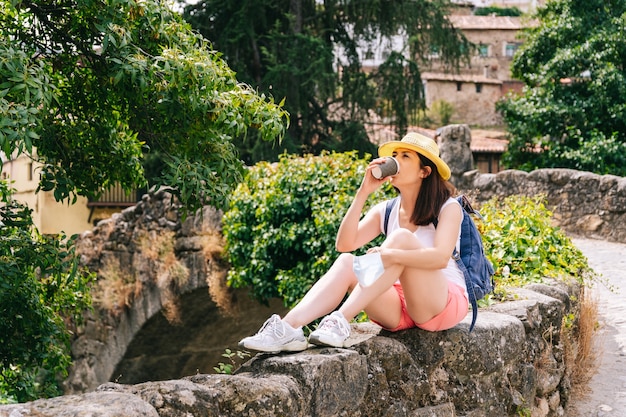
{"x": 370, "y": 183}
{"x": 355, "y": 232}
{"x": 375, "y": 249}
{"x": 379, "y": 250}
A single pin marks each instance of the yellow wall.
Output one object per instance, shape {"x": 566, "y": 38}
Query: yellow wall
{"x": 49, "y": 216}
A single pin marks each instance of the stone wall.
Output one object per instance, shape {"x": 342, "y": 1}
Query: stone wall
{"x": 454, "y": 148}
{"x": 513, "y": 362}
{"x": 583, "y": 203}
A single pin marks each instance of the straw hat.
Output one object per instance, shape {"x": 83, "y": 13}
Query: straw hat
{"x": 420, "y": 144}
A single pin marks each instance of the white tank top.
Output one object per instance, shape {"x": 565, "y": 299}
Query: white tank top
{"x": 426, "y": 235}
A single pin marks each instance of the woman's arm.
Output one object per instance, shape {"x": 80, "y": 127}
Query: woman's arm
{"x": 437, "y": 257}
{"x": 354, "y": 232}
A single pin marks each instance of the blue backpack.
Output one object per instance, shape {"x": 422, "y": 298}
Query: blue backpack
{"x": 476, "y": 268}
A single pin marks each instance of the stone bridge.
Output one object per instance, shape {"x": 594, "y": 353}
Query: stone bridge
{"x": 162, "y": 278}
{"x": 164, "y": 313}
{"x": 162, "y": 308}
{"x": 151, "y": 244}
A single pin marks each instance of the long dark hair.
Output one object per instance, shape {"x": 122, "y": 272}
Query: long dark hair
{"x": 433, "y": 193}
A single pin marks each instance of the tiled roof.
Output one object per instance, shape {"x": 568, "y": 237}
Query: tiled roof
{"x": 466, "y": 78}
{"x": 470, "y": 22}
{"x": 482, "y": 140}
{"x": 491, "y": 141}
{"x": 485, "y": 144}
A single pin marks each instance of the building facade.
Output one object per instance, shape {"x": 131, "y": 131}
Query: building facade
{"x": 51, "y": 216}
{"x": 473, "y": 90}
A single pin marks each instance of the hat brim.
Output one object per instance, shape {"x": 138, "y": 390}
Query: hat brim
{"x": 387, "y": 149}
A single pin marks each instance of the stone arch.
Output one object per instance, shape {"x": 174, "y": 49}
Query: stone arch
{"x": 163, "y": 350}
{"x": 157, "y": 274}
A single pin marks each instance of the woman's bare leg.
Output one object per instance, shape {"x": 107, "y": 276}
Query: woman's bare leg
{"x": 326, "y": 293}
{"x": 380, "y": 300}
{"x": 426, "y": 291}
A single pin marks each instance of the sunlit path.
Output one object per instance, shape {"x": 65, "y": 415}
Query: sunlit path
{"x": 607, "y": 395}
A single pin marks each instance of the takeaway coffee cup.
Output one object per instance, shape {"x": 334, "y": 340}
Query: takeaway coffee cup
{"x": 386, "y": 169}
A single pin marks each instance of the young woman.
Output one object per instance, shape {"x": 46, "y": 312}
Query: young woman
{"x": 421, "y": 285}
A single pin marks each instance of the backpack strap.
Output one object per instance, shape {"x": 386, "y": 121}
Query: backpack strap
{"x": 470, "y": 288}
{"x": 388, "y": 208}
{"x": 471, "y": 295}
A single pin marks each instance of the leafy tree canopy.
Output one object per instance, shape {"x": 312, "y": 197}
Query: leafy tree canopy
{"x": 103, "y": 92}
{"x": 312, "y": 52}
{"x": 98, "y": 88}
{"x": 573, "y": 111}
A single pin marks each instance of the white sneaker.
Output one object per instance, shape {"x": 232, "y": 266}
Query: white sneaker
{"x": 276, "y": 336}
{"x": 333, "y": 330}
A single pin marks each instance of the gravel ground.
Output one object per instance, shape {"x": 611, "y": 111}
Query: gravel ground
{"x": 606, "y": 396}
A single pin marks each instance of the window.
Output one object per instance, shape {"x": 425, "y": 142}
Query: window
{"x": 510, "y": 49}
{"x": 459, "y": 86}
{"x": 479, "y": 87}
{"x": 483, "y": 50}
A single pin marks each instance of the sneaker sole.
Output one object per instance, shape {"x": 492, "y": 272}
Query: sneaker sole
{"x": 323, "y": 341}
{"x": 295, "y": 346}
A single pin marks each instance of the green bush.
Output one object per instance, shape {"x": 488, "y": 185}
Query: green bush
{"x": 282, "y": 222}
{"x": 441, "y": 111}
{"x": 524, "y": 246}
{"x": 595, "y": 153}
{"x": 41, "y": 291}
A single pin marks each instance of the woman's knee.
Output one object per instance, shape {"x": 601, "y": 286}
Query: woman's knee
{"x": 342, "y": 269}
{"x": 344, "y": 260}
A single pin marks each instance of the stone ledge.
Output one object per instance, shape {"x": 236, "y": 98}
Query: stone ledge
{"x": 583, "y": 203}
{"x": 512, "y": 361}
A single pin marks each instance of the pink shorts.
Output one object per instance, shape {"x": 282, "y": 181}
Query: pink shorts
{"x": 452, "y": 314}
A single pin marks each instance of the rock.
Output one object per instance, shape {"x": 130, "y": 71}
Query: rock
{"x": 94, "y": 404}
{"x": 454, "y": 149}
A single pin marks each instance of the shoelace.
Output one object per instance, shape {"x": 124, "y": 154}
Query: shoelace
{"x": 330, "y": 323}
{"x": 273, "y": 325}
